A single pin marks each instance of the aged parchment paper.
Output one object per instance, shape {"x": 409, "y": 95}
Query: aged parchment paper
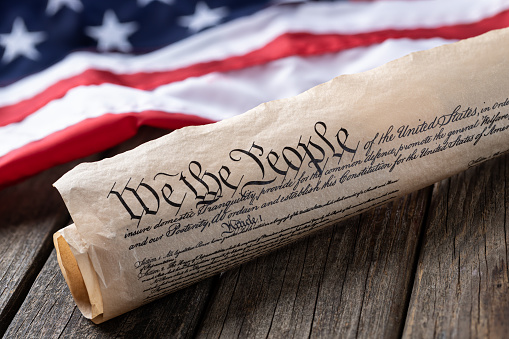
{"x": 204, "y": 199}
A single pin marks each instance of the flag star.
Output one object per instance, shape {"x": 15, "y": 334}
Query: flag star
{"x": 20, "y": 42}
{"x": 55, "y": 5}
{"x": 203, "y": 17}
{"x": 143, "y": 3}
{"x": 112, "y": 34}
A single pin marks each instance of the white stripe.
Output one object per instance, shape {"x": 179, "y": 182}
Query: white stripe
{"x": 214, "y": 96}
{"x": 250, "y": 33}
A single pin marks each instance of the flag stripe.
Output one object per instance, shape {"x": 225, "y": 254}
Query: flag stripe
{"x": 302, "y": 44}
{"x": 85, "y": 138}
{"x": 287, "y": 44}
{"x": 88, "y": 101}
{"x": 242, "y": 36}
{"x": 213, "y": 97}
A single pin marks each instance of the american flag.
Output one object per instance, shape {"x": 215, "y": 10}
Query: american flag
{"x": 79, "y": 76}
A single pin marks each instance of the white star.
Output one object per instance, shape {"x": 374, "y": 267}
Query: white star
{"x": 143, "y": 3}
{"x": 55, "y": 5}
{"x": 20, "y": 42}
{"x": 203, "y": 17}
{"x": 112, "y": 34}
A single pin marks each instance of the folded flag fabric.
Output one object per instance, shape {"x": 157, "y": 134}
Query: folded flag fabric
{"x": 78, "y": 77}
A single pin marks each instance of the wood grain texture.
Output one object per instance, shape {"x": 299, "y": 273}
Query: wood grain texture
{"x": 31, "y": 211}
{"x": 461, "y": 288}
{"x": 47, "y": 307}
{"x": 350, "y": 280}
{"x": 49, "y": 311}
{"x": 379, "y": 275}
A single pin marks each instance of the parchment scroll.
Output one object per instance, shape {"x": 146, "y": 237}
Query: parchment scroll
{"x": 202, "y": 200}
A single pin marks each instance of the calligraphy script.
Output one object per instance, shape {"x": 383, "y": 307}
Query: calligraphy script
{"x": 206, "y": 187}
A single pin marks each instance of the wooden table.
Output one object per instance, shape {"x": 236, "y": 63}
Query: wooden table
{"x": 431, "y": 264}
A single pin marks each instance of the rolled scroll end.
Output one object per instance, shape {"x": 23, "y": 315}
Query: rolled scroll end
{"x": 87, "y": 302}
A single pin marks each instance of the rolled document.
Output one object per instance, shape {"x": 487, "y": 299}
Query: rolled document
{"x": 202, "y": 200}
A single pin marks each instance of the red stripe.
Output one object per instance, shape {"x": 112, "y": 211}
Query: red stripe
{"x": 303, "y": 44}
{"x": 85, "y": 138}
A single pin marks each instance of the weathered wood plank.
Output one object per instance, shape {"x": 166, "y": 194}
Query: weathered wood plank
{"x": 247, "y": 297}
{"x": 53, "y": 308}
{"x": 352, "y": 280}
{"x": 461, "y": 288}
{"x": 50, "y": 312}
{"x": 31, "y": 211}
{"x": 379, "y": 275}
